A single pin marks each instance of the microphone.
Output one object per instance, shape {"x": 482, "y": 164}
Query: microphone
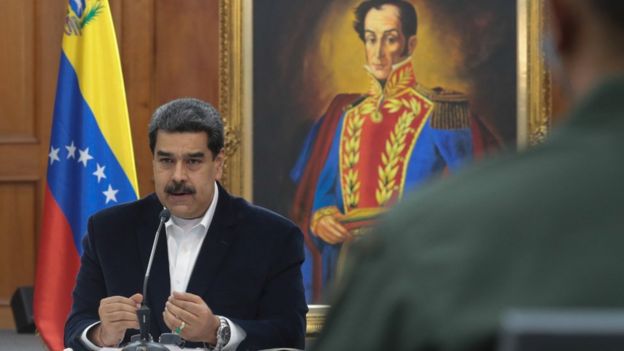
{"x": 145, "y": 343}
{"x": 164, "y": 216}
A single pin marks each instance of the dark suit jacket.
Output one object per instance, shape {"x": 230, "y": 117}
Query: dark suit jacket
{"x": 542, "y": 229}
{"x": 248, "y": 270}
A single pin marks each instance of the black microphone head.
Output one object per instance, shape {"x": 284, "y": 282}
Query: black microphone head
{"x": 165, "y": 214}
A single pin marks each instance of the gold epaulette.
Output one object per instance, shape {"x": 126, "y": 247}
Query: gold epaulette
{"x": 450, "y": 108}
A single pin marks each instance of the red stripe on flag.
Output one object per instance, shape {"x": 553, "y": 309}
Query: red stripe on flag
{"x": 57, "y": 267}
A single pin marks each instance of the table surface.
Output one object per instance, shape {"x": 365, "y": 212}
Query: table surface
{"x": 11, "y": 340}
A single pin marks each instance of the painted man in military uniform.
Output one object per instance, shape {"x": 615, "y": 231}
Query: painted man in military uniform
{"x": 369, "y": 150}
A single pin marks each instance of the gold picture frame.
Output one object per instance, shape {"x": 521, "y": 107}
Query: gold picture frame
{"x": 235, "y": 85}
{"x": 534, "y": 79}
{"x": 234, "y": 95}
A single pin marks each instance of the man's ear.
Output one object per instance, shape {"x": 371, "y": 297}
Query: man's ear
{"x": 411, "y": 44}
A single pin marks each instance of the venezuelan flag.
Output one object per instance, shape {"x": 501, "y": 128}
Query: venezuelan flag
{"x": 90, "y": 161}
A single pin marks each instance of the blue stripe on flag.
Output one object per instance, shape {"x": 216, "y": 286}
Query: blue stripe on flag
{"x": 75, "y": 186}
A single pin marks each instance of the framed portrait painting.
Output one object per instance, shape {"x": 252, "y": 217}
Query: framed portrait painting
{"x": 335, "y": 110}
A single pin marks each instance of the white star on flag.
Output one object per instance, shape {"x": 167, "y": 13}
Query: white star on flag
{"x": 53, "y": 155}
{"x": 111, "y": 194}
{"x": 84, "y": 157}
{"x": 99, "y": 173}
{"x": 71, "y": 150}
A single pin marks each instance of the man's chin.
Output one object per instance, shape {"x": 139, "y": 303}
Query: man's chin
{"x": 181, "y": 211}
{"x": 381, "y": 74}
{"x": 179, "y": 204}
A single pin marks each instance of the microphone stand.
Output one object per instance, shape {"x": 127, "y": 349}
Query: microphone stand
{"x": 146, "y": 343}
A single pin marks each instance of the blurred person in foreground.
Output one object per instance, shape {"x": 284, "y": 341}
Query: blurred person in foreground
{"x": 442, "y": 273}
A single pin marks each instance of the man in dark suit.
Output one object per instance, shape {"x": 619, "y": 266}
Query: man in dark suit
{"x": 226, "y": 274}
{"x": 539, "y": 229}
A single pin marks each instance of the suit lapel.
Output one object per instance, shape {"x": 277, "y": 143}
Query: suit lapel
{"x": 158, "y": 288}
{"x": 220, "y": 236}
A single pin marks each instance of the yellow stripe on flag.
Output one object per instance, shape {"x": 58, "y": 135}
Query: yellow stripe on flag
{"x": 95, "y": 58}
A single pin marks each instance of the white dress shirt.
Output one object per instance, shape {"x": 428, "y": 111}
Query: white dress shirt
{"x": 184, "y": 241}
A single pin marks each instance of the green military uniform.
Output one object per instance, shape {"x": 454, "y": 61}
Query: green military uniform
{"x": 544, "y": 228}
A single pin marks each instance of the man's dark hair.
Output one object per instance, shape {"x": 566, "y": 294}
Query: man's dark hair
{"x": 407, "y": 15}
{"x": 188, "y": 115}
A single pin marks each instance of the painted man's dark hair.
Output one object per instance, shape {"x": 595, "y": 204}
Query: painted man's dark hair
{"x": 188, "y": 115}
{"x": 407, "y": 15}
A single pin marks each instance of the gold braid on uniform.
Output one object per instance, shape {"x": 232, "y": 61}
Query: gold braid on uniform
{"x": 389, "y": 168}
{"x": 377, "y": 93}
{"x": 351, "y": 157}
{"x": 451, "y": 109}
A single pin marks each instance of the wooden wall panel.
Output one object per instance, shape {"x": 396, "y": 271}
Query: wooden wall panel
{"x": 186, "y": 51}
{"x": 17, "y": 122}
{"x": 137, "y": 56}
{"x": 23, "y": 160}
{"x": 17, "y": 242}
{"x": 19, "y": 150}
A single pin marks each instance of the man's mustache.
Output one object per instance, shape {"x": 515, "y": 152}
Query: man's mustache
{"x": 179, "y": 188}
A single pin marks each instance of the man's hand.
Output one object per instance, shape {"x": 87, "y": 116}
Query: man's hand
{"x": 117, "y": 313}
{"x": 331, "y": 231}
{"x": 200, "y": 324}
